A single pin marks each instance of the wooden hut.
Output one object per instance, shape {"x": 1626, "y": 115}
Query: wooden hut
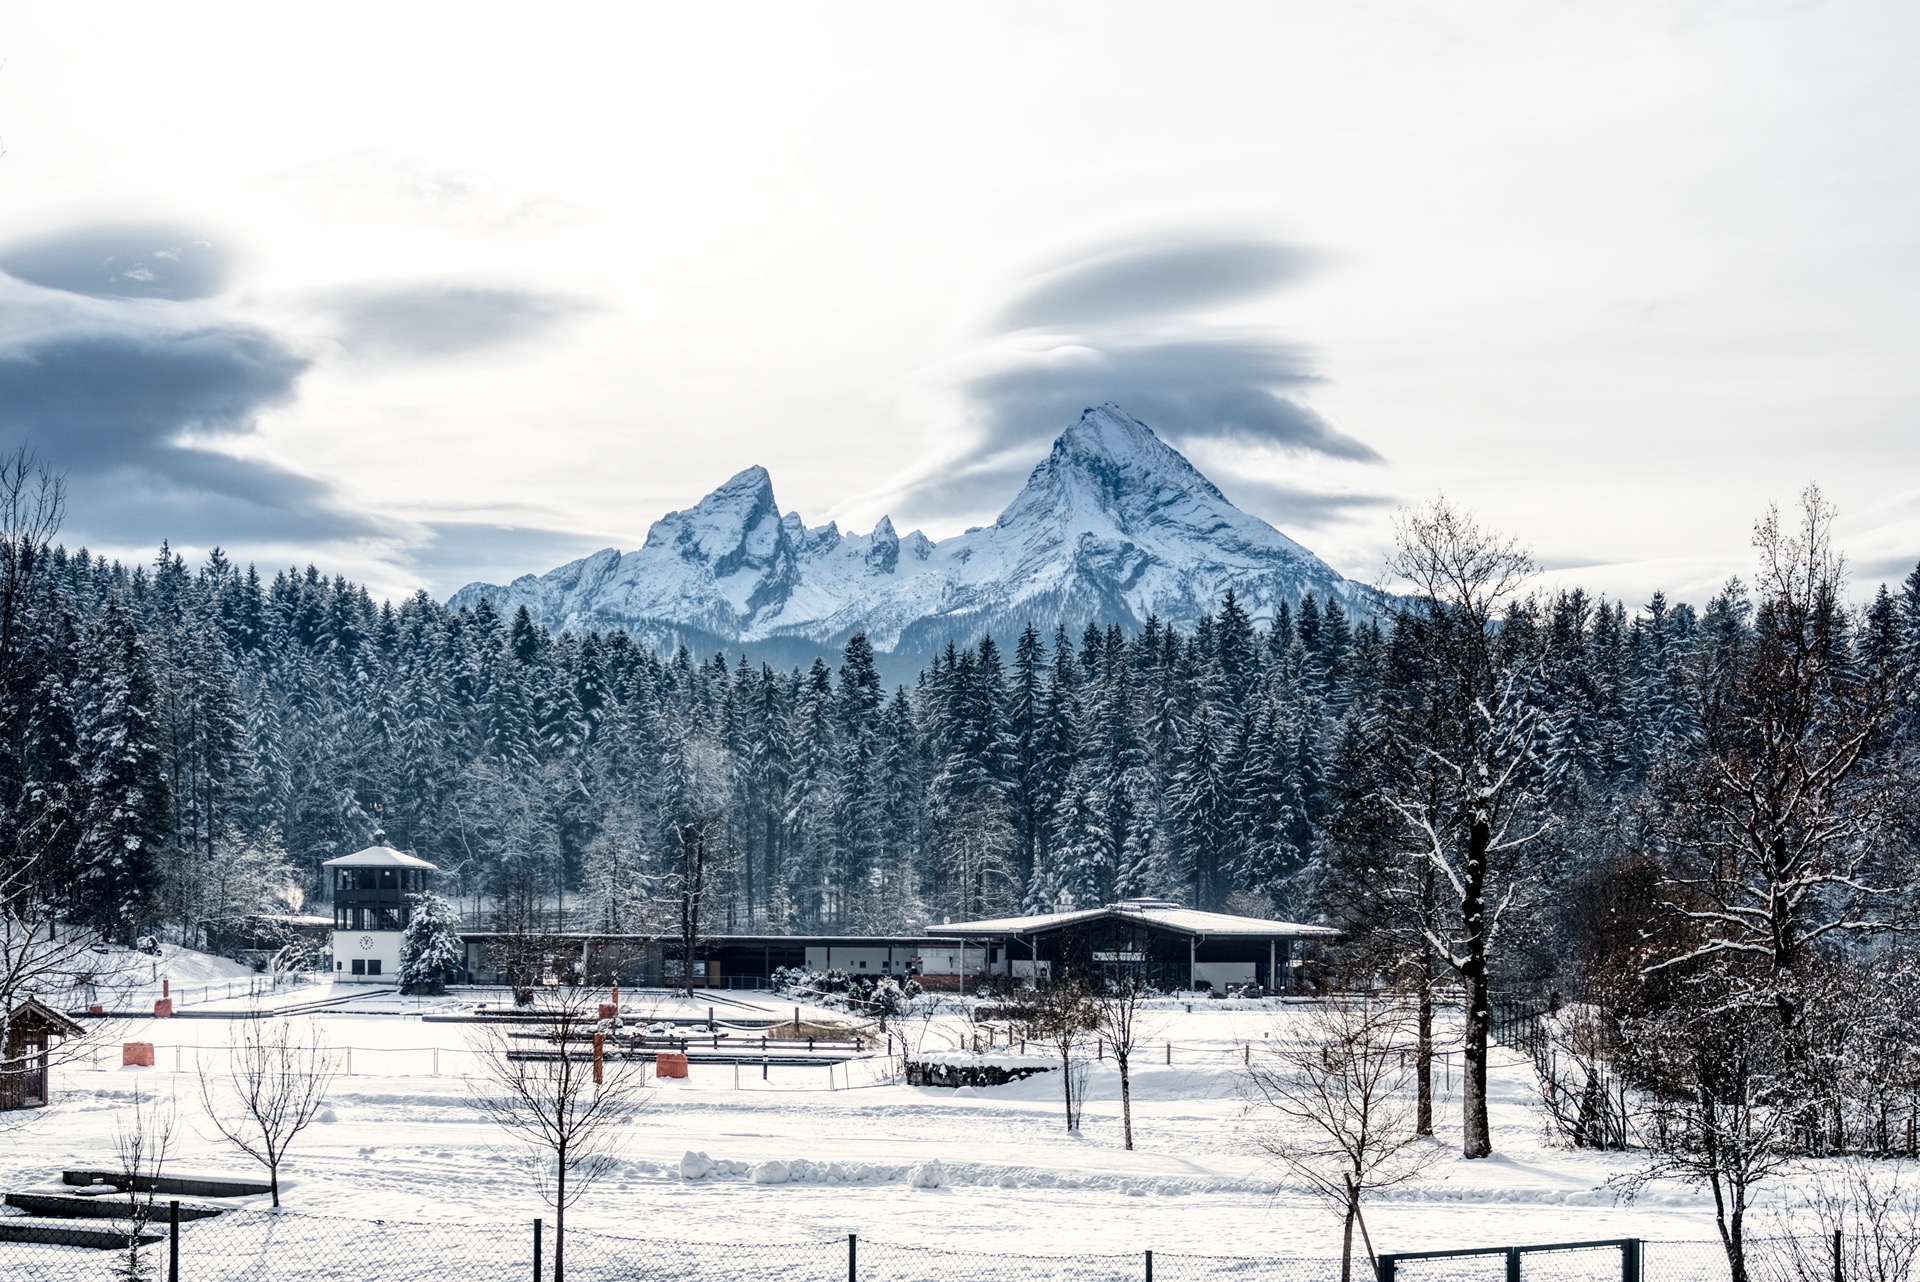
{"x": 31, "y": 1029}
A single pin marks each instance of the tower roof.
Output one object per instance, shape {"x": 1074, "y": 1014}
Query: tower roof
{"x": 380, "y": 857}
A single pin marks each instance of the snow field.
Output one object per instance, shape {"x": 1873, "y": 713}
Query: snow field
{"x": 793, "y": 1158}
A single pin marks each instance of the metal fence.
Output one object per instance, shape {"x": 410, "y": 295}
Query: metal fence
{"x": 290, "y": 1246}
{"x": 1624, "y": 1260}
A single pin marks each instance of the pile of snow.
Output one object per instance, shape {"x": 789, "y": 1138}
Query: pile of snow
{"x": 697, "y": 1165}
{"x": 986, "y": 1059}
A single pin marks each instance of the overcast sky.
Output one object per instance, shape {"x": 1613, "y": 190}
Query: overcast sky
{"x": 424, "y": 293}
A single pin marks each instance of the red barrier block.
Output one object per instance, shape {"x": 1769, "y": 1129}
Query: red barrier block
{"x": 136, "y": 1054}
{"x": 163, "y": 1009}
{"x": 670, "y": 1064}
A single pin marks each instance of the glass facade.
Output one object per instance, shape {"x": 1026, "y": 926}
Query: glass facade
{"x": 375, "y": 898}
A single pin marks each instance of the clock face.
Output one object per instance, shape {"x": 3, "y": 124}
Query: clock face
{"x": 366, "y": 943}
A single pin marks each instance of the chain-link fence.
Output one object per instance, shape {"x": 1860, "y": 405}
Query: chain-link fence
{"x": 290, "y": 1246}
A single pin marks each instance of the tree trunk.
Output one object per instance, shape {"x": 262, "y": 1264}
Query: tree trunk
{"x": 693, "y": 862}
{"x": 560, "y": 1216}
{"x": 1734, "y": 1237}
{"x": 1423, "y": 1046}
{"x": 1477, "y": 1132}
{"x": 273, "y": 1183}
{"x": 1126, "y": 1098}
{"x": 1346, "y": 1240}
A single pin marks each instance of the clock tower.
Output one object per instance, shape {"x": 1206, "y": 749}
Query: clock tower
{"x": 371, "y": 906}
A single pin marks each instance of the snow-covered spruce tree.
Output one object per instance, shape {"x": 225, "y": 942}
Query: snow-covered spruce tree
{"x": 1202, "y": 807}
{"x": 694, "y": 785}
{"x": 431, "y": 949}
{"x": 856, "y": 793}
{"x": 897, "y": 904}
{"x": 810, "y": 796}
{"x": 124, "y": 821}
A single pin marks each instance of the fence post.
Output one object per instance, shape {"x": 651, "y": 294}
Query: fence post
{"x": 173, "y": 1241}
{"x": 1149, "y": 1266}
{"x": 1384, "y": 1267}
{"x": 536, "y": 1251}
{"x": 1630, "y": 1259}
{"x": 1513, "y": 1264}
{"x": 853, "y": 1257}
{"x": 1839, "y": 1267}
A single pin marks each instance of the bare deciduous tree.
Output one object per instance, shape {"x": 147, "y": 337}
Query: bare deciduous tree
{"x": 1720, "y": 1109}
{"x": 1779, "y": 828}
{"x": 558, "y": 1098}
{"x": 277, "y": 1074}
{"x": 142, "y": 1142}
{"x": 1471, "y": 755}
{"x": 63, "y": 966}
{"x": 1334, "y": 1108}
{"x": 1118, "y": 1008}
{"x": 1063, "y": 1016}
{"x": 1872, "y": 1210}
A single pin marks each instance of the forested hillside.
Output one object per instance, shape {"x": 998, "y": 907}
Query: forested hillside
{"x": 188, "y": 743}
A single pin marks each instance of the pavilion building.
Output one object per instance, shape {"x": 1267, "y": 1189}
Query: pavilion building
{"x": 1157, "y": 941}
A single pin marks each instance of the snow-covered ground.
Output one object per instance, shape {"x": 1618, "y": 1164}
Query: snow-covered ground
{"x": 400, "y": 1141}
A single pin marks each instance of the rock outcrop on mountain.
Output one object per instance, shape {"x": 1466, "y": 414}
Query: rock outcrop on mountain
{"x": 1113, "y": 526}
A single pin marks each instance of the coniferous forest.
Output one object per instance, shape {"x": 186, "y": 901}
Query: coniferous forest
{"x": 1491, "y": 787}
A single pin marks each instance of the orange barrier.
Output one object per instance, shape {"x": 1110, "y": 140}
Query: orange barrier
{"x": 136, "y": 1054}
{"x": 670, "y": 1064}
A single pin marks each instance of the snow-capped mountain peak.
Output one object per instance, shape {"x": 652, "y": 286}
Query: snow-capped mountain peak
{"x": 1112, "y": 526}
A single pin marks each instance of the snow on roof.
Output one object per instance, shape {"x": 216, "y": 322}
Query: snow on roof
{"x": 1161, "y": 913}
{"x": 32, "y": 1008}
{"x": 380, "y": 857}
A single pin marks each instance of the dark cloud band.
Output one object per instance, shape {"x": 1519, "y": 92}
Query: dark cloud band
{"x": 1125, "y": 324}
{"x": 1234, "y": 388}
{"x": 121, "y": 261}
{"x": 1154, "y": 278}
{"x": 133, "y": 408}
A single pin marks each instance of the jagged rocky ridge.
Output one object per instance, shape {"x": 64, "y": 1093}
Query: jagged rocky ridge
{"x": 1114, "y": 525}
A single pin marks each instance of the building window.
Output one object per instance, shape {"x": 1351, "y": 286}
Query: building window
{"x": 359, "y": 966}
{"x": 373, "y": 966}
